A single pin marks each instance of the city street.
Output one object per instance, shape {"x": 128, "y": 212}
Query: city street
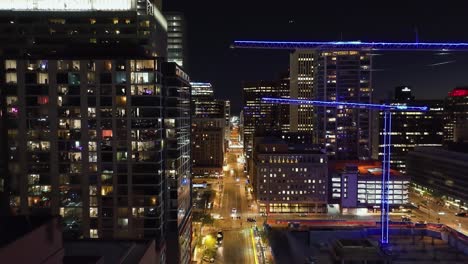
{"x": 430, "y": 213}
{"x": 237, "y": 244}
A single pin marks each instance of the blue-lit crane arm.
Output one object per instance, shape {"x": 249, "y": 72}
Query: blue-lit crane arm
{"x": 337, "y": 45}
{"x": 381, "y": 107}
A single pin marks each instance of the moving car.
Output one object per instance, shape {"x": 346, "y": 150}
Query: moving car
{"x": 219, "y": 237}
{"x": 208, "y": 259}
{"x": 461, "y": 214}
{"x": 405, "y": 218}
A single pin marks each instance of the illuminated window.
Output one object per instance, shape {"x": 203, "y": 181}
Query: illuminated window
{"x": 10, "y": 65}
{"x": 106, "y": 190}
{"x": 106, "y": 134}
{"x": 11, "y": 78}
{"x": 93, "y": 233}
{"x": 122, "y": 223}
{"x": 93, "y": 212}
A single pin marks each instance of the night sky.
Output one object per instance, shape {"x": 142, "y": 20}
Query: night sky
{"x": 214, "y": 25}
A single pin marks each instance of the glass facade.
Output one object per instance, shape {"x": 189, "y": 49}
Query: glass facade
{"x": 176, "y": 38}
{"x": 441, "y": 172}
{"x": 344, "y": 76}
{"x": 177, "y": 125}
{"x": 413, "y": 129}
{"x": 83, "y": 146}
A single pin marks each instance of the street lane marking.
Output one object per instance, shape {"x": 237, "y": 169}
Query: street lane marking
{"x": 254, "y": 245}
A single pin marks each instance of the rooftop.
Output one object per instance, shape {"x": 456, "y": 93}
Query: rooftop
{"x": 115, "y": 251}
{"x": 15, "y": 227}
{"x": 364, "y": 168}
{"x": 442, "y": 153}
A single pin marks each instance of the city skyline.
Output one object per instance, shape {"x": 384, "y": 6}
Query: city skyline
{"x": 432, "y": 75}
{"x": 256, "y": 132}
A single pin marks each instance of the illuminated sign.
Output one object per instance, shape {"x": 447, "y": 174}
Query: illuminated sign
{"x": 459, "y": 93}
{"x": 406, "y": 89}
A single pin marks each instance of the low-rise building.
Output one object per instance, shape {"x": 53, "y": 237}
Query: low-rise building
{"x": 289, "y": 178}
{"x": 357, "y": 185}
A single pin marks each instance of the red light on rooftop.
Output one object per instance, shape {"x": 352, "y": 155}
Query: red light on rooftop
{"x": 459, "y": 92}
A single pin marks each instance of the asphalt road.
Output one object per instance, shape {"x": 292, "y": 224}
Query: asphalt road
{"x": 237, "y": 243}
{"x": 430, "y": 213}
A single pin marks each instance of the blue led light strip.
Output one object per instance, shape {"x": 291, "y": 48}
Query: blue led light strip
{"x": 437, "y": 46}
{"x": 382, "y": 107}
{"x": 385, "y": 206}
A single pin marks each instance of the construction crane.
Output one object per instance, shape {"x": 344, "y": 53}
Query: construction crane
{"x": 387, "y": 136}
{"x": 387, "y": 109}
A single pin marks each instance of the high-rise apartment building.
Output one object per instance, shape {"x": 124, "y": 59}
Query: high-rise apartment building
{"x": 4, "y": 201}
{"x": 177, "y": 159}
{"x": 412, "y": 129}
{"x": 344, "y": 76}
{"x": 333, "y": 76}
{"x": 96, "y": 132}
{"x": 176, "y": 38}
{"x": 85, "y": 28}
{"x": 456, "y": 123}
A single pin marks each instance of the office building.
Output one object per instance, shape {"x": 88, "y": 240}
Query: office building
{"x": 441, "y": 172}
{"x": 356, "y": 186}
{"x": 227, "y": 116}
{"x": 456, "y": 124}
{"x": 204, "y": 104}
{"x": 91, "y": 122}
{"x": 176, "y": 38}
{"x": 259, "y": 117}
{"x": 208, "y": 130}
{"x": 289, "y": 177}
{"x": 208, "y": 146}
{"x": 202, "y": 90}
{"x": 284, "y": 110}
{"x": 302, "y": 86}
{"x": 412, "y": 129}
